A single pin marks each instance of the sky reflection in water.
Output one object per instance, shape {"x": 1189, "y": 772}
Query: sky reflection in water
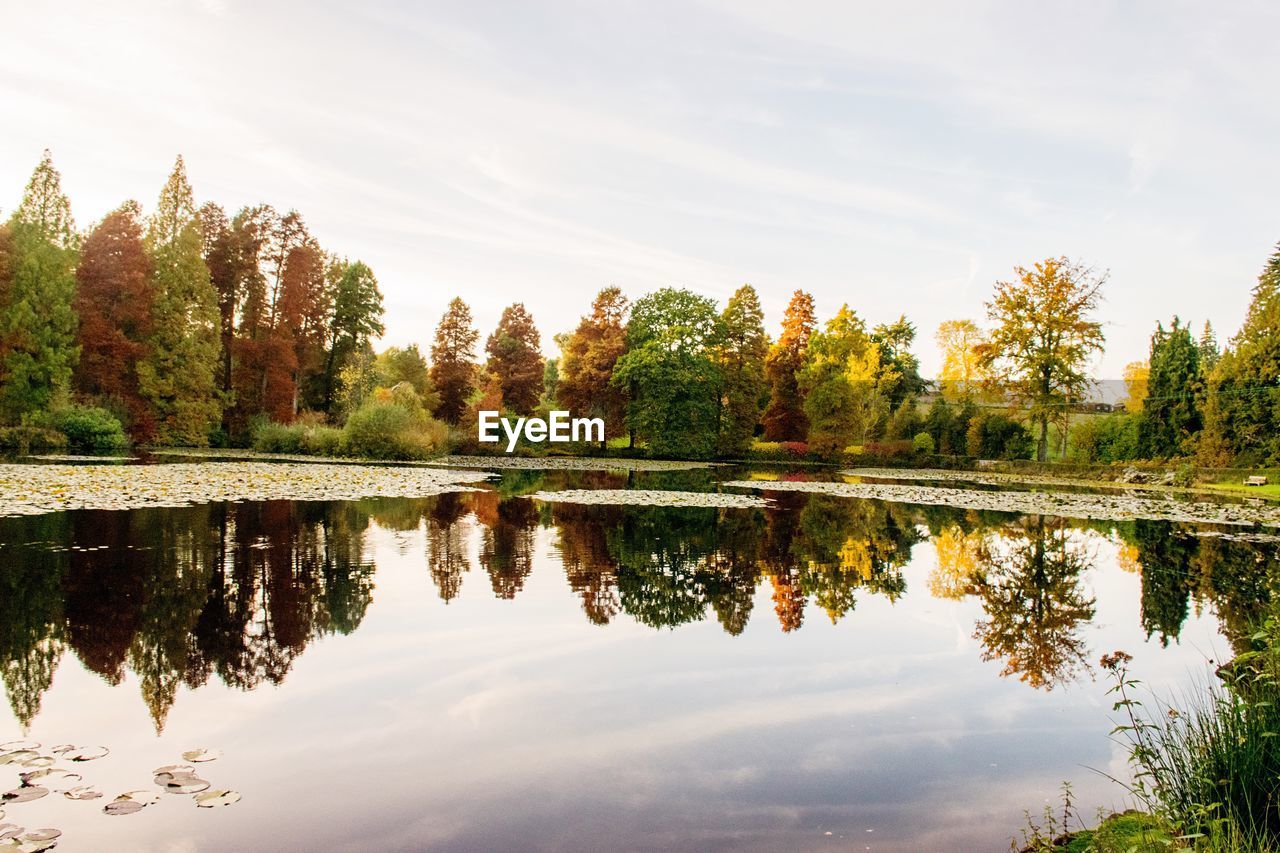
{"x": 483, "y": 672}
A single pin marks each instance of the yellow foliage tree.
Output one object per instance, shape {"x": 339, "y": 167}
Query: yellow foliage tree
{"x": 1136, "y": 374}
{"x": 962, "y": 372}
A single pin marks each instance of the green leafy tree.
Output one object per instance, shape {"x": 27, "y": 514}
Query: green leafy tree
{"x": 515, "y": 357}
{"x": 355, "y": 318}
{"x": 453, "y": 361}
{"x": 588, "y": 358}
{"x": 1043, "y": 338}
{"x": 406, "y": 364}
{"x": 784, "y": 418}
{"x": 895, "y": 340}
{"x": 844, "y": 383}
{"x": 179, "y": 374}
{"x": 672, "y": 372}
{"x": 743, "y": 350}
{"x": 1171, "y": 411}
{"x": 37, "y": 322}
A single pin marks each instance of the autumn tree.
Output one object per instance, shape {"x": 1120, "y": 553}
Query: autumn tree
{"x": 179, "y": 374}
{"x": 406, "y": 364}
{"x": 845, "y": 383}
{"x": 743, "y": 349}
{"x": 784, "y": 418}
{"x": 1171, "y": 410}
{"x": 1043, "y": 338}
{"x": 224, "y": 251}
{"x": 588, "y": 356}
{"x": 355, "y": 316}
{"x": 515, "y": 357}
{"x": 114, "y": 303}
{"x": 302, "y": 325}
{"x": 37, "y": 321}
{"x": 961, "y": 374}
{"x": 902, "y": 382}
{"x": 453, "y": 361}
{"x": 1136, "y": 376}
{"x": 672, "y": 373}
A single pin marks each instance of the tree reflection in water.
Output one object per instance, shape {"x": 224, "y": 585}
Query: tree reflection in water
{"x": 238, "y": 591}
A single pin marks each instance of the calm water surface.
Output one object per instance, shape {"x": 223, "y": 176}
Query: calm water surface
{"x": 486, "y": 672}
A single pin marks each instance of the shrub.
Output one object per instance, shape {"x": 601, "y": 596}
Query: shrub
{"x": 997, "y": 436}
{"x": 923, "y": 443}
{"x": 888, "y": 449}
{"x": 1113, "y": 438}
{"x": 89, "y": 428}
{"x": 303, "y": 436}
{"x": 26, "y": 439}
{"x": 382, "y": 429}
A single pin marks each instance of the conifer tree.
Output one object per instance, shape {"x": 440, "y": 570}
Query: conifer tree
{"x": 355, "y": 316}
{"x": 1170, "y": 412}
{"x": 784, "y": 418}
{"x": 588, "y": 356}
{"x": 515, "y": 357}
{"x": 743, "y": 350}
{"x": 453, "y": 367}
{"x": 37, "y": 320}
{"x": 179, "y": 374}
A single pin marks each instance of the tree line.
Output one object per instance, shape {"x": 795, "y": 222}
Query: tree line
{"x": 191, "y": 326}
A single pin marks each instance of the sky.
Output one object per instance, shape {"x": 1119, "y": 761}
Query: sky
{"x": 900, "y": 157}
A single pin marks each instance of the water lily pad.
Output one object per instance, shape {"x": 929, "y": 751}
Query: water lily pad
{"x": 40, "y": 761}
{"x": 199, "y": 755}
{"x": 83, "y": 792}
{"x": 25, "y": 794}
{"x": 147, "y": 798}
{"x": 17, "y": 756}
{"x": 38, "y": 845}
{"x": 173, "y": 768}
{"x": 213, "y": 799}
{"x": 51, "y": 777}
{"x": 116, "y": 808}
{"x": 10, "y": 830}
{"x": 181, "y": 783}
{"x": 47, "y": 834}
{"x": 12, "y": 745}
{"x": 87, "y": 753}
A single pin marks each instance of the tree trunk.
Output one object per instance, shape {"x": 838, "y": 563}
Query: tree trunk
{"x": 1042, "y": 447}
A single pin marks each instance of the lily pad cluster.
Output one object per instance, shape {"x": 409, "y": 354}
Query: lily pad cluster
{"x": 40, "y": 778}
{"x": 566, "y": 463}
{"x": 651, "y": 497}
{"x": 34, "y": 489}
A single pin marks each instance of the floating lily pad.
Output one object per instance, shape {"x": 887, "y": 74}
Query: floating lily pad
{"x": 173, "y": 768}
{"x": 12, "y": 745}
{"x": 25, "y": 794}
{"x": 181, "y": 783}
{"x": 83, "y": 792}
{"x": 116, "y": 808}
{"x": 17, "y": 756}
{"x": 199, "y": 755}
{"x": 10, "y": 830}
{"x": 87, "y": 753}
{"x": 50, "y": 777}
{"x": 147, "y": 798}
{"x": 213, "y": 799}
{"x": 650, "y": 497}
{"x": 40, "y": 761}
{"x": 48, "y": 834}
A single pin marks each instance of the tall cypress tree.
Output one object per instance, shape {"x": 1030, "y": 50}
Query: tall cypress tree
{"x": 179, "y": 375}
{"x": 742, "y": 355}
{"x": 515, "y": 356}
{"x": 784, "y": 418}
{"x": 1171, "y": 412}
{"x": 37, "y": 321}
{"x": 453, "y": 367}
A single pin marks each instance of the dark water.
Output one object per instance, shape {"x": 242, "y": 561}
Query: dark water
{"x": 486, "y": 672}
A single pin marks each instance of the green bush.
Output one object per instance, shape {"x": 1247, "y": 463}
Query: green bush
{"x": 1113, "y": 438}
{"x": 28, "y": 439}
{"x": 89, "y": 428}
{"x": 305, "y": 437}
{"x": 923, "y": 443}
{"x": 997, "y": 436}
{"x": 383, "y": 429}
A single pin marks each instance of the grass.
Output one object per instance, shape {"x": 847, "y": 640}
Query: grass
{"x": 1271, "y": 490}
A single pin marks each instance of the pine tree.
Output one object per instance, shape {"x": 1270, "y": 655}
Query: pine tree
{"x": 179, "y": 374}
{"x": 453, "y": 367}
{"x": 1170, "y": 413}
{"x": 784, "y": 418}
{"x": 37, "y": 320}
{"x": 743, "y": 350}
{"x": 588, "y": 357}
{"x": 114, "y": 300}
{"x": 515, "y": 357}
{"x": 355, "y": 316}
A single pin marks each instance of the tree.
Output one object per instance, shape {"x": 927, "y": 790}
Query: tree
{"x": 1137, "y": 374}
{"x": 114, "y": 300}
{"x": 303, "y": 313}
{"x": 784, "y": 418}
{"x": 37, "y": 320}
{"x": 224, "y": 255}
{"x": 1242, "y": 412}
{"x": 844, "y": 382}
{"x": 1171, "y": 410}
{"x": 902, "y": 368}
{"x": 406, "y": 364}
{"x": 355, "y": 316}
{"x": 587, "y": 361}
{"x": 961, "y": 373}
{"x": 179, "y": 374}
{"x": 515, "y": 357}
{"x": 453, "y": 367}
{"x": 1209, "y": 349}
{"x": 1044, "y": 337}
{"x": 671, "y": 370}
{"x": 743, "y": 350}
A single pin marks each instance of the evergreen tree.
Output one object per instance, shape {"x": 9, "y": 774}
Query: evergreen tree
{"x": 588, "y": 357}
{"x": 515, "y": 357}
{"x": 895, "y": 340}
{"x": 355, "y": 316}
{"x": 784, "y": 418}
{"x": 1170, "y": 412}
{"x": 845, "y": 384}
{"x": 743, "y": 350}
{"x": 179, "y": 374}
{"x": 114, "y": 300}
{"x": 453, "y": 361}
{"x": 37, "y": 320}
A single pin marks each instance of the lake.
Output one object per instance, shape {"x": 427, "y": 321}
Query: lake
{"x": 485, "y": 670}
